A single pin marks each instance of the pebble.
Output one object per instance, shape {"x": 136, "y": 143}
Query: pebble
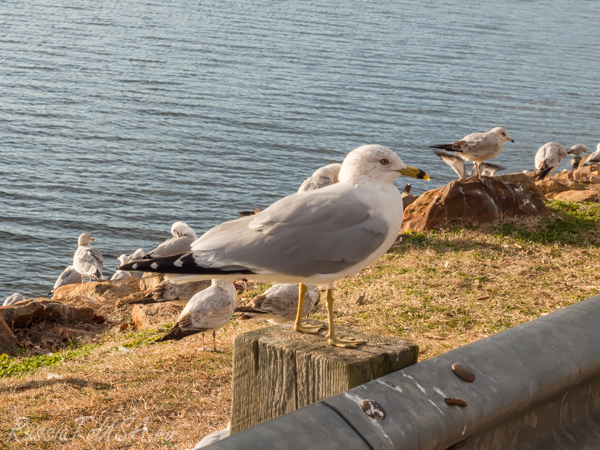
{"x": 463, "y": 372}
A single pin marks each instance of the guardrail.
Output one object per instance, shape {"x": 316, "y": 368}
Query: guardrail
{"x": 537, "y": 386}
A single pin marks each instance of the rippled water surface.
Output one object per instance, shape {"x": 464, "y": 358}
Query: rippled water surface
{"x": 119, "y": 118}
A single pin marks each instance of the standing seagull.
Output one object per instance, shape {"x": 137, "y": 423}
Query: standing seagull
{"x": 547, "y": 158}
{"x": 594, "y": 158}
{"x": 68, "y": 276}
{"x": 316, "y": 237}
{"x": 88, "y": 260}
{"x": 279, "y": 303}
{"x": 479, "y": 147}
{"x": 322, "y": 177}
{"x": 182, "y": 239}
{"x": 178, "y": 294}
{"x": 208, "y": 310}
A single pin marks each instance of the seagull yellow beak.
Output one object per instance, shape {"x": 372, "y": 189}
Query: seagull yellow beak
{"x": 413, "y": 172}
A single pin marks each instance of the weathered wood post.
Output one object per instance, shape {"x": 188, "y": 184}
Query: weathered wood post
{"x": 277, "y": 370}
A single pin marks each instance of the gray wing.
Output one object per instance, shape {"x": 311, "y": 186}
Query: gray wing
{"x": 314, "y": 183}
{"x": 68, "y": 276}
{"x": 171, "y": 247}
{"x": 171, "y": 291}
{"x": 88, "y": 261}
{"x": 323, "y": 231}
{"x": 211, "y": 309}
{"x": 456, "y": 163}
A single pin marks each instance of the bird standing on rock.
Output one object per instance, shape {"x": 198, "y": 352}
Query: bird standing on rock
{"x": 120, "y": 274}
{"x": 88, "y": 260}
{"x": 316, "y": 237}
{"x": 547, "y": 158}
{"x": 208, "y": 310}
{"x": 594, "y": 158}
{"x": 478, "y": 147}
{"x": 67, "y": 276}
{"x": 182, "y": 239}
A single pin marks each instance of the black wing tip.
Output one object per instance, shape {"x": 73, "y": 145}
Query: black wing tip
{"x": 180, "y": 264}
{"x": 177, "y": 334}
{"x": 543, "y": 172}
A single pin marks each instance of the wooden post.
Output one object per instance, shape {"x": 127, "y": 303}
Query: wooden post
{"x": 277, "y": 370}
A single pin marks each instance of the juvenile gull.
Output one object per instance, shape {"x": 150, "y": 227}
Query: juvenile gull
{"x": 120, "y": 274}
{"x": 208, "y": 310}
{"x": 324, "y": 176}
{"x": 279, "y": 303}
{"x": 479, "y": 147}
{"x": 547, "y": 158}
{"x": 316, "y": 237}
{"x": 68, "y": 276}
{"x": 12, "y": 299}
{"x": 178, "y": 294}
{"x": 88, "y": 260}
{"x": 182, "y": 239}
{"x": 594, "y": 158}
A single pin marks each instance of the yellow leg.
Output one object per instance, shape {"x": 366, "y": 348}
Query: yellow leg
{"x": 306, "y": 328}
{"x": 331, "y": 338}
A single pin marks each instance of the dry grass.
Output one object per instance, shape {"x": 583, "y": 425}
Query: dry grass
{"x": 440, "y": 290}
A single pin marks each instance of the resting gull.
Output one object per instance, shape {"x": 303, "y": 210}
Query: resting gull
{"x": 178, "y": 294}
{"x": 594, "y": 158}
{"x": 547, "y": 158}
{"x": 88, "y": 260}
{"x": 12, "y": 299}
{"x": 68, "y": 276}
{"x": 478, "y": 147}
{"x": 120, "y": 274}
{"x": 208, "y": 310}
{"x": 182, "y": 239}
{"x": 316, "y": 237}
{"x": 138, "y": 254}
{"x": 323, "y": 176}
{"x": 578, "y": 149}
{"x": 279, "y": 303}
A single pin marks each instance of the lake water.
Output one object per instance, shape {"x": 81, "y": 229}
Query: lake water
{"x": 119, "y": 118}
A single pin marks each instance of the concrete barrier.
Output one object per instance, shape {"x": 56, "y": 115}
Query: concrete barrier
{"x": 537, "y": 386}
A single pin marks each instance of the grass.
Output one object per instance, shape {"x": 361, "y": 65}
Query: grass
{"x": 439, "y": 289}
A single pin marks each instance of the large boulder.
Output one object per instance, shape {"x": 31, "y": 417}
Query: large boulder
{"x": 102, "y": 296}
{"x": 472, "y": 201}
{"x": 579, "y": 196}
{"x": 522, "y": 179}
{"x": 33, "y": 311}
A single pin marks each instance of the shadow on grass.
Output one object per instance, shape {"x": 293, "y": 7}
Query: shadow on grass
{"x": 574, "y": 224}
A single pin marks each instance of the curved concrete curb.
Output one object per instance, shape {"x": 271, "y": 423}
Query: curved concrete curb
{"x": 537, "y": 385}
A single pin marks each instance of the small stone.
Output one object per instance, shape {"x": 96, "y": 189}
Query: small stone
{"x": 456, "y": 402}
{"x": 373, "y": 409}
{"x": 463, "y": 372}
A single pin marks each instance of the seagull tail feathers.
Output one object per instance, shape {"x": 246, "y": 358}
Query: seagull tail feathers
{"x": 447, "y": 147}
{"x": 177, "y": 334}
{"x": 542, "y": 172}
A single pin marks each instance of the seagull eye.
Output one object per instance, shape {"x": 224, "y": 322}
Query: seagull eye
{"x": 384, "y": 162}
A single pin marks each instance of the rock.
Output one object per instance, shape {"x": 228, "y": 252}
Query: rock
{"x": 7, "y": 338}
{"x": 408, "y": 199}
{"x": 44, "y": 310}
{"x": 474, "y": 201}
{"x": 551, "y": 187}
{"x": 102, "y": 296}
{"x": 148, "y": 316}
{"x": 579, "y": 196}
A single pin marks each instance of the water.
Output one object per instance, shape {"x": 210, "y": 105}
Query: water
{"x": 119, "y": 118}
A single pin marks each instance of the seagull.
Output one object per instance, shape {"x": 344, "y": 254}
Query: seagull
{"x": 594, "y": 158}
{"x": 68, "y": 276}
{"x": 457, "y": 164}
{"x": 547, "y": 158}
{"x": 214, "y": 437}
{"x": 12, "y": 299}
{"x": 316, "y": 237}
{"x": 208, "y": 310}
{"x": 323, "y": 176}
{"x": 478, "y": 147}
{"x": 138, "y": 254}
{"x": 178, "y": 294}
{"x": 88, "y": 260}
{"x": 575, "y": 161}
{"x": 120, "y": 274}
{"x": 279, "y": 303}
{"x": 183, "y": 236}
{"x": 578, "y": 150}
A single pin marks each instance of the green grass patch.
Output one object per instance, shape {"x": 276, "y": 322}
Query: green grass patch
{"x": 17, "y": 366}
